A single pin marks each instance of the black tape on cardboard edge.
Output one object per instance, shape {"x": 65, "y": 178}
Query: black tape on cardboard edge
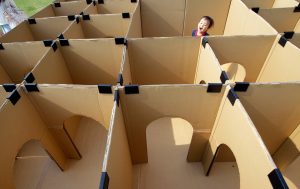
{"x": 120, "y": 79}
{"x": 14, "y": 97}
{"x": 61, "y": 36}
{"x": 125, "y": 15}
{"x": 64, "y": 42}
{"x": 214, "y": 87}
{"x": 120, "y": 41}
{"x": 232, "y": 96}
{"x": 1, "y": 46}
{"x": 204, "y": 41}
{"x": 48, "y": 42}
{"x": 54, "y": 46}
{"x": 117, "y": 97}
{"x": 133, "y": 1}
{"x": 104, "y": 182}
{"x": 29, "y": 78}
{"x": 224, "y": 77}
{"x": 32, "y": 87}
{"x": 212, "y": 162}
{"x": 277, "y": 179}
{"x": 9, "y": 87}
{"x": 255, "y": 9}
{"x": 241, "y": 86}
{"x": 57, "y": 4}
{"x": 105, "y": 89}
{"x": 89, "y": 2}
{"x": 297, "y": 9}
{"x": 131, "y": 89}
{"x": 71, "y": 17}
{"x": 86, "y": 17}
{"x": 31, "y": 21}
{"x": 100, "y": 1}
{"x": 288, "y": 35}
{"x": 282, "y": 41}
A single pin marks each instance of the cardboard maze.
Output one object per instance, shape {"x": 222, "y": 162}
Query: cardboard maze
{"x": 118, "y": 94}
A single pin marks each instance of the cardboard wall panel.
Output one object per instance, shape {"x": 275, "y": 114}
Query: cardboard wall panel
{"x": 70, "y": 8}
{"x": 277, "y": 68}
{"x": 234, "y": 50}
{"x": 285, "y": 3}
{"x": 265, "y": 4}
{"x": 4, "y": 77}
{"x": 297, "y": 27}
{"x": 135, "y": 27}
{"x": 163, "y": 60}
{"x": 74, "y": 31}
{"x": 18, "y": 59}
{"x": 195, "y": 9}
{"x": 296, "y": 40}
{"x": 282, "y": 19}
{"x": 47, "y": 11}
{"x": 20, "y": 33}
{"x": 126, "y": 71}
{"x": 120, "y": 170}
{"x": 155, "y": 102}
{"x": 91, "y": 9}
{"x": 116, "y": 6}
{"x": 3, "y": 95}
{"x": 158, "y": 18}
{"x": 93, "y": 61}
{"x": 244, "y": 141}
{"x": 208, "y": 67}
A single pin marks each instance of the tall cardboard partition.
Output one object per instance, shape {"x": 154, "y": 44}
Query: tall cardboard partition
{"x": 274, "y": 110}
{"x": 37, "y": 30}
{"x": 88, "y": 62}
{"x": 242, "y": 57}
{"x": 295, "y": 39}
{"x": 276, "y": 67}
{"x": 168, "y": 61}
{"x": 147, "y": 129}
{"x": 79, "y": 125}
{"x": 195, "y": 9}
{"x": 62, "y": 9}
{"x": 17, "y": 59}
{"x": 234, "y": 128}
{"x": 268, "y": 4}
{"x": 99, "y": 26}
{"x": 112, "y": 7}
{"x": 135, "y": 27}
{"x": 243, "y": 21}
{"x": 285, "y": 3}
{"x": 162, "y": 18}
{"x": 281, "y": 19}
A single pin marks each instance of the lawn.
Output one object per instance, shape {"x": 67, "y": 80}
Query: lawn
{"x": 32, "y": 6}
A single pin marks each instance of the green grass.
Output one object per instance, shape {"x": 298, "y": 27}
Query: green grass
{"x": 32, "y": 6}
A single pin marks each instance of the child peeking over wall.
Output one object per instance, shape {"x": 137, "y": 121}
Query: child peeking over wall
{"x": 204, "y": 24}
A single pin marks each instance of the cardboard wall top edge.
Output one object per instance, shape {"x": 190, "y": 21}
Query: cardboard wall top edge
{"x": 155, "y": 102}
{"x": 195, "y": 9}
{"x": 233, "y": 50}
{"x": 281, "y": 120}
{"x": 171, "y": 60}
{"x": 70, "y": 8}
{"x": 285, "y": 3}
{"x": 259, "y": 3}
{"x": 44, "y": 12}
{"x": 15, "y": 34}
{"x": 116, "y": 6}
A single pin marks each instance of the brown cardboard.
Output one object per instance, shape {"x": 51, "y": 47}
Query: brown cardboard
{"x": 18, "y": 59}
{"x": 3, "y": 95}
{"x": 195, "y": 9}
{"x": 4, "y": 78}
{"x": 285, "y": 3}
{"x": 158, "y": 18}
{"x": 135, "y": 27}
{"x": 47, "y": 11}
{"x": 126, "y": 72}
{"x": 154, "y": 102}
{"x": 15, "y": 34}
{"x": 296, "y": 40}
{"x": 116, "y": 6}
{"x": 267, "y": 4}
{"x": 163, "y": 60}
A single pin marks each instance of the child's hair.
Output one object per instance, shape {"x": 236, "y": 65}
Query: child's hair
{"x": 211, "y": 21}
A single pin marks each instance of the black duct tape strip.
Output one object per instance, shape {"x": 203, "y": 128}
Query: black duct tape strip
{"x": 117, "y": 97}
{"x": 204, "y": 41}
{"x": 89, "y": 1}
{"x": 86, "y": 17}
{"x": 104, "y": 182}
{"x": 212, "y": 162}
{"x": 132, "y": 89}
{"x": 288, "y": 35}
{"x": 214, "y": 87}
{"x": 64, "y": 42}
{"x": 241, "y": 86}
{"x": 1, "y": 46}
{"x": 297, "y": 9}
{"x": 54, "y": 46}
{"x": 224, "y": 77}
{"x": 57, "y": 4}
{"x": 14, "y": 97}
{"x": 277, "y": 179}
{"x": 120, "y": 41}
{"x": 133, "y": 1}
{"x": 71, "y": 17}
{"x": 29, "y": 78}
{"x": 77, "y": 19}
{"x": 105, "y": 89}
{"x": 125, "y": 15}
{"x": 60, "y": 36}
{"x": 32, "y": 87}
{"x": 255, "y": 9}
{"x": 31, "y": 21}
{"x": 48, "y": 42}
{"x": 9, "y": 87}
{"x": 282, "y": 41}
{"x": 232, "y": 96}
{"x": 100, "y": 1}
{"x": 120, "y": 79}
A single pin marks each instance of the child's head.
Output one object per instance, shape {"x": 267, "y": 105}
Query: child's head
{"x": 205, "y": 23}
